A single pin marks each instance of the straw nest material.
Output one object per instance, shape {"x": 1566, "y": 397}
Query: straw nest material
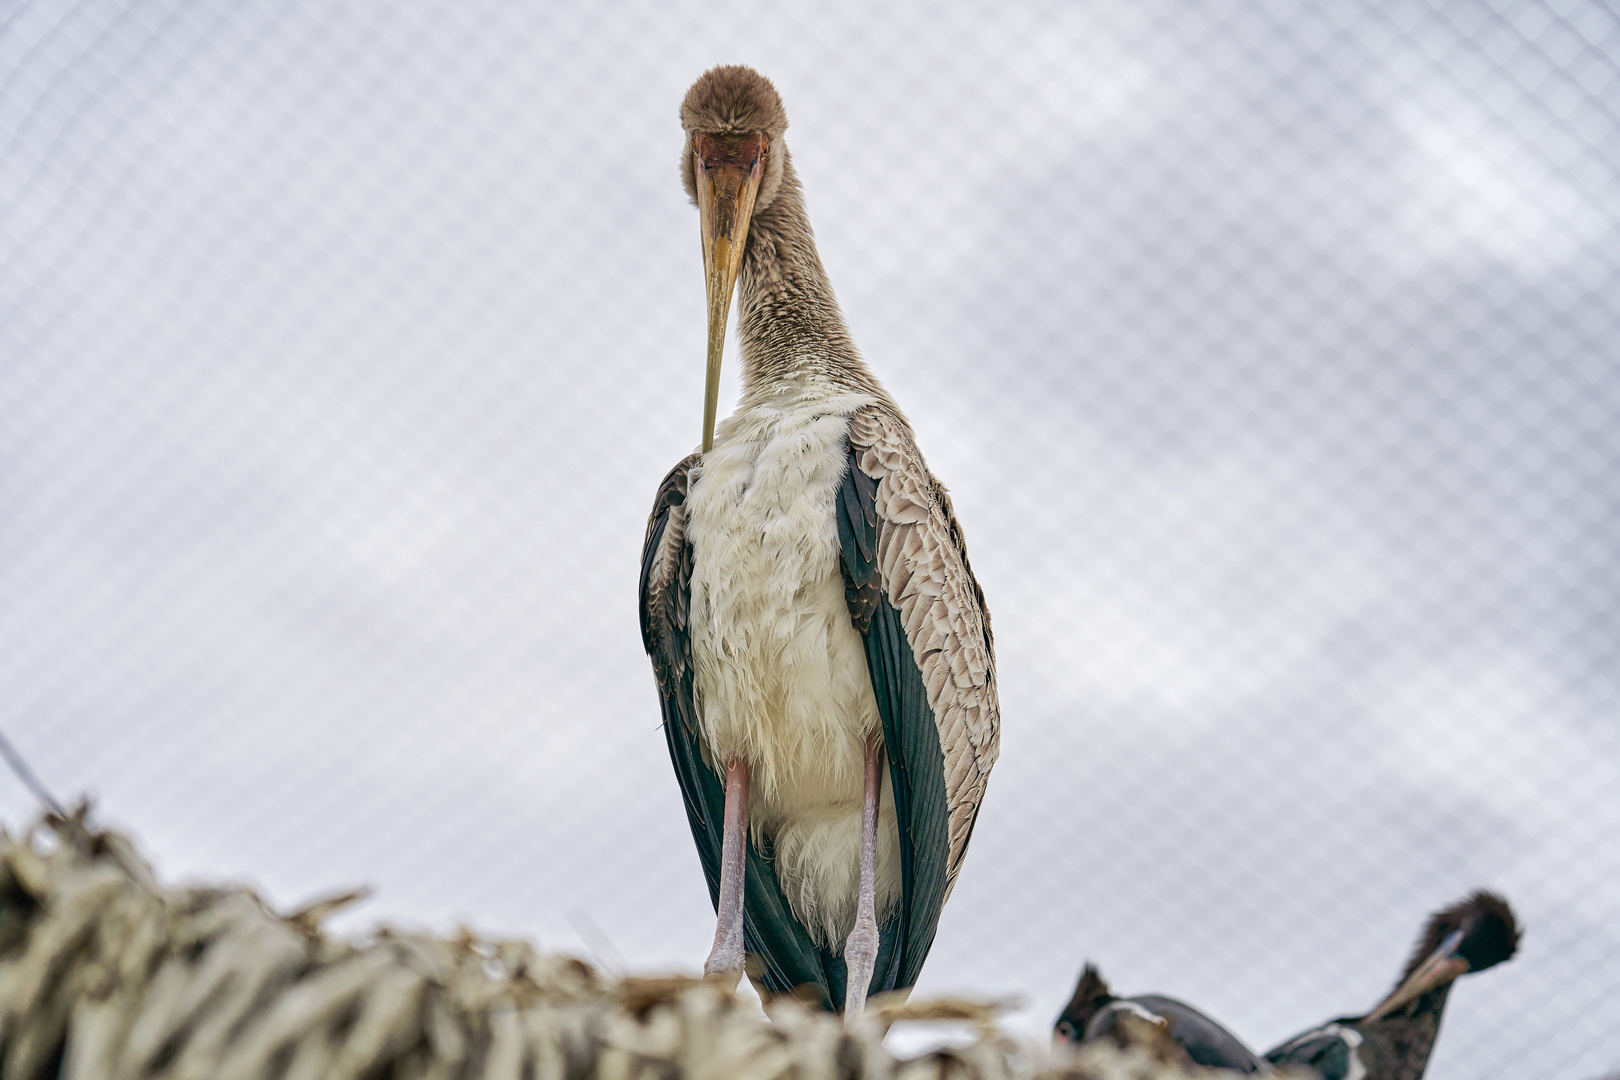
{"x": 107, "y": 975}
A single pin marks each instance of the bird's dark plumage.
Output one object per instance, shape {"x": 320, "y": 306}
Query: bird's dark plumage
{"x": 1094, "y": 1013}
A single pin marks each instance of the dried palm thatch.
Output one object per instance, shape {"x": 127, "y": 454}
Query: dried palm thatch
{"x": 106, "y": 974}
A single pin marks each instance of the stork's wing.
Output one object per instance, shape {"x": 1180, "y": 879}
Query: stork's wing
{"x": 1206, "y": 1041}
{"x": 1334, "y": 1050}
{"x": 913, "y": 596}
{"x": 789, "y": 958}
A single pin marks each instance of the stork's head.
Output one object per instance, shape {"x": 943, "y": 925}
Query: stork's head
{"x": 1469, "y": 936}
{"x": 732, "y": 163}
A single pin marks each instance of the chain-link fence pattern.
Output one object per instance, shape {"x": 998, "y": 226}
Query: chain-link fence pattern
{"x": 1268, "y": 351}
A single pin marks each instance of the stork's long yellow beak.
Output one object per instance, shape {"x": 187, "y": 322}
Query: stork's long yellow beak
{"x": 727, "y": 170}
{"x": 1441, "y": 966}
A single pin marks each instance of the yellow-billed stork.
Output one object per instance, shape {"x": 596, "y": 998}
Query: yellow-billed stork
{"x": 821, "y": 647}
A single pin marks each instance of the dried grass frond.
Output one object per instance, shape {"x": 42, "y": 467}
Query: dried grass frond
{"x": 105, "y": 974}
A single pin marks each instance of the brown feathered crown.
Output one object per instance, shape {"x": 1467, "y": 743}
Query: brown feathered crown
{"x": 733, "y": 100}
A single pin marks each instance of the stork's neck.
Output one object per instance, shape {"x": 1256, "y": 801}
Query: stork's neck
{"x": 792, "y": 334}
{"x": 1403, "y": 1040}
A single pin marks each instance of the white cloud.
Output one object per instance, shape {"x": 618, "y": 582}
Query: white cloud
{"x": 1497, "y": 728}
{"x": 1470, "y": 185}
{"x": 1185, "y": 588}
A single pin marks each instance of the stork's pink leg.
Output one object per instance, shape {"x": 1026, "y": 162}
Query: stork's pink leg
{"x": 726, "y": 958}
{"x": 861, "y": 948}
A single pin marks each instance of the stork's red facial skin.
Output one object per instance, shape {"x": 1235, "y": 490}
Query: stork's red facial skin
{"x": 727, "y": 170}
{"x": 744, "y": 152}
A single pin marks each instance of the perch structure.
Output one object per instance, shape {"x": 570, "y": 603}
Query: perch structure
{"x": 106, "y": 974}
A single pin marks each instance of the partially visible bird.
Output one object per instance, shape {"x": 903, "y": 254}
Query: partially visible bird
{"x": 1393, "y": 1042}
{"x": 1094, "y": 1013}
{"x": 821, "y": 647}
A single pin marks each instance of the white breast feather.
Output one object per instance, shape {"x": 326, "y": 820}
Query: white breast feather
{"x": 781, "y": 672}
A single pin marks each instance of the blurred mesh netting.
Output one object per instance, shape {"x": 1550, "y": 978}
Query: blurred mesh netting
{"x": 1268, "y": 350}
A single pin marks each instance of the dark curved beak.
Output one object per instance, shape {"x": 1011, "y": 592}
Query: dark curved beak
{"x": 1438, "y": 968}
{"x": 728, "y": 170}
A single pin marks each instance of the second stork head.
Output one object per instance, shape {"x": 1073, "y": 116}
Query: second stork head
{"x": 1472, "y": 935}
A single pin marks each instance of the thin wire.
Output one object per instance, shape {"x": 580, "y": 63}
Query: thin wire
{"x": 26, "y": 775}
{"x": 601, "y": 946}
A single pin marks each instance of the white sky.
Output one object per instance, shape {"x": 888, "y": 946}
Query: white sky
{"x": 1268, "y": 357}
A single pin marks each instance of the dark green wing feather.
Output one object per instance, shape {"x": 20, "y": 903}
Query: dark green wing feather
{"x": 913, "y": 597}
{"x": 910, "y": 737}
